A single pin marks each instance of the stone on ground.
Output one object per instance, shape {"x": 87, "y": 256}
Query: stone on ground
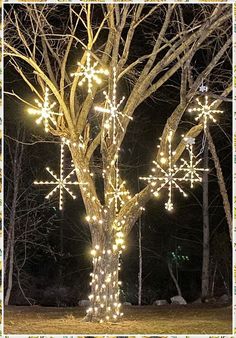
{"x": 84, "y": 302}
{"x": 160, "y": 302}
{"x": 224, "y": 299}
{"x": 197, "y": 301}
{"x": 178, "y": 300}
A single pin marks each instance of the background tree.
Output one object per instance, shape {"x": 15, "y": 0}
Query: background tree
{"x": 27, "y": 223}
{"x": 43, "y": 45}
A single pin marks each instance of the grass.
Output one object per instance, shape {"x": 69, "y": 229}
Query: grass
{"x": 168, "y": 319}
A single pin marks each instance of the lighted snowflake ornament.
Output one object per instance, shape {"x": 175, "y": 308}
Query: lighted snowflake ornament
{"x": 118, "y": 193}
{"x": 191, "y": 167}
{"x": 90, "y": 73}
{"x": 205, "y": 111}
{"x": 112, "y": 109}
{"x": 45, "y": 112}
{"x": 168, "y": 178}
{"x": 61, "y": 183}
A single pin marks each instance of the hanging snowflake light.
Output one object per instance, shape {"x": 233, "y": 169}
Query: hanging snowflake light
{"x": 118, "y": 193}
{"x": 45, "y": 111}
{"x": 61, "y": 183}
{"x": 168, "y": 177}
{"x": 89, "y": 73}
{"x": 191, "y": 167}
{"x": 114, "y": 114}
{"x": 205, "y": 111}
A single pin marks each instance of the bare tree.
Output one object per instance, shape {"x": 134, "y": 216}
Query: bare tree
{"x": 42, "y": 41}
{"x": 206, "y": 230}
{"x": 24, "y": 221}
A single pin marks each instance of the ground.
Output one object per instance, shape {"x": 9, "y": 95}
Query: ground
{"x": 170, "y": 319}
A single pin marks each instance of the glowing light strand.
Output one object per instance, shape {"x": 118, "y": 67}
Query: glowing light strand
{"x": 191, "y": 167}
{"x": 61, "y": 183}
{"x": 205, "y": 111}
{"x": 45, "y": 111}
{"x": 168, "y": 178}
{"x": 106, "y": 305}
{"x": 118, "y": 193}
{"x": 113, "y": 110}
{"x": 89, "y": 73}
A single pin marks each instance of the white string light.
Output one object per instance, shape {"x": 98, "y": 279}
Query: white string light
{"x": 45, "y": 111}
{"x": 113, "y": 110}
{"x": 205, "y": 111}
{"x": 191, "y": 167}
{"x": 90, "y": 73}
{"x": 61, "y": 183}
{"x": 119, "y": 193}
{"x": 168, "y": 178}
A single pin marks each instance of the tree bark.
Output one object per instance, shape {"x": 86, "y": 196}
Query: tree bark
{"x": 174, "y": 278}
{"x": 140, "y": 262}
{"x": 104, "y": 297}
{"x": 10, "y": 268}
{"x": 205, "y": 209}
{"x": 221, "y": 183}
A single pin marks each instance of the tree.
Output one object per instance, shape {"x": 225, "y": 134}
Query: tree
{"x": 42, "y": 42}
{"x": 206, "y": 231}
{"x": 27, "y": 223}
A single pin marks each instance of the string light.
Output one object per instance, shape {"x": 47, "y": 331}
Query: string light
{"x": 205, "y": 111}
{"x": 104, "y": 299}
{"x": 61, "y": 183}
{"x": 119, "y": 193}
{"x": 168, "y": 178}
{"x": 113, "y": 110}
{"x": 79, "y": 144}
{"x": 90, "y": 73}
{"x": 191, "y": 167}
{"x": 45, "y": 111}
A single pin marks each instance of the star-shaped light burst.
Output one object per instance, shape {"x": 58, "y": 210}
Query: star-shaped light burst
{"x": 61, "y": 183}
{"x": 169, "y": 177}
{"x": 191, "y": 167}
{"x": 45, "y": 111}
{"x": 114, "y": 114}
{"x": 118, "y": 193}
{"x": 206, "y": 111}
{"x": 90, "y": 73}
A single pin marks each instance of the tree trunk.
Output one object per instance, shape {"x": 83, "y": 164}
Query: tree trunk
{"x": 206, "y": 248}
{"x": 213, "y": 280}
{"x": 221, "y": 183}
{"x": 10, "y": 268}
{"x": 104, "y": 297}
{"x": 174, "y": 278}
{"x": 140, "y": 261}
{"x": 61, "y": 248}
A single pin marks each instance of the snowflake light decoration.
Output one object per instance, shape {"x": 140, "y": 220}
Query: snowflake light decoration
{"x": 113, "y": 110}
{"x": 45, "y": 111}
{"x": 119, "y": 192}
{"x": 89, "y": 73}
{"x": 169, "y": 177}
{"x": 61, "y": 183}
{"x": 206, "y": 111}
{"x": 191, "y": 167}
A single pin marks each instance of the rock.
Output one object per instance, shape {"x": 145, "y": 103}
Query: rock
{"x": 210, "y": 300}
{"x": 178, "y": 300}
{"x": 224, "y": 299}
{"x": 197, "y": 301}
{"x": 127, "y": 304}
{"x": 159, "y": 302}
{"x": 84, "y": 302}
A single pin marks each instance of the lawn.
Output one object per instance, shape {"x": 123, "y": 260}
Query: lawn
{"x": 168, "y": 319}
